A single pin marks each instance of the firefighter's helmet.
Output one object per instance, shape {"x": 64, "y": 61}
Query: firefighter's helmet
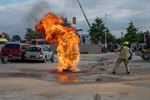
{"x": 126, "y": 43}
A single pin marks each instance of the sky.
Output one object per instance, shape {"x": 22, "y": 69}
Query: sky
{"x": 17, "y": 15}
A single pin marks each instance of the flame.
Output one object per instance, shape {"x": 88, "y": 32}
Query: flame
{"x": 66, "y": 39}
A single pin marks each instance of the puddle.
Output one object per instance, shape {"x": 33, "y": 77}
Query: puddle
{"x": 81, "y": 77}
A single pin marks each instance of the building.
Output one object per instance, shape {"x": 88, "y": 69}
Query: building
{"x": 84, "y": 38}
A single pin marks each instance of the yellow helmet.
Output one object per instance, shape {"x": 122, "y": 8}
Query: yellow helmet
{"x": 125, "y": 43}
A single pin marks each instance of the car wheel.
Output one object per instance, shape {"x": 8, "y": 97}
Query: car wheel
{"x": 44, "y": 60}
{"x": 52, "y": 59}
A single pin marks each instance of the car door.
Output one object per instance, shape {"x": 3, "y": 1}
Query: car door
{"x": 47, "y": 53}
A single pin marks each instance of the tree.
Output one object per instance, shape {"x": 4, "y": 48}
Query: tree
{"x": 66, "y": 22}
{"x": 109, "y": 37}
{"x": 140, "y": 37}
{"x": 131, "y": 35}
{"x": 97, "y": 32}
{"x": 119, "y": 40}
{"x": 16, "y": 38}
{"x": 30, "y": 34}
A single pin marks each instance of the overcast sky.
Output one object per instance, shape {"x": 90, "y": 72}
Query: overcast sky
{"x": 17, "y": 15}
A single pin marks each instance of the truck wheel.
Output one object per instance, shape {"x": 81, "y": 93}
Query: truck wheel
{"x": 4, "y": 60}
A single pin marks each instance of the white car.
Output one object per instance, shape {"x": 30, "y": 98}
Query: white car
{"x": 39, "y": 53}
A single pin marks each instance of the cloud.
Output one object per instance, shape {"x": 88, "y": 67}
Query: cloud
{"x": 17, "y": 15}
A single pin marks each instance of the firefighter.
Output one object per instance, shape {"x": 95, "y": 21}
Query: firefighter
{"x": 124, "y": 55}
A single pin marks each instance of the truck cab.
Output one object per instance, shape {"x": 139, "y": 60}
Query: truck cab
{"x": 14, "y": 50}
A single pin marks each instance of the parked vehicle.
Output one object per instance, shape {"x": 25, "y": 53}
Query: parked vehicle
{"x": 39, "y": 53}
{"x": 2, "y": 43}
{"x": 40, "y": 42}
{"x": 14, "y": 50}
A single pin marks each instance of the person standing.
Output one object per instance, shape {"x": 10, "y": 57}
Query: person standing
{"x": 124, "y": 55}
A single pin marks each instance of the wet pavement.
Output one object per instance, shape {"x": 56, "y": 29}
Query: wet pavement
{"x": 41, "y": 81}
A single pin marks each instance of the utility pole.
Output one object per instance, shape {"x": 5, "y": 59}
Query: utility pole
{"x": 122, "y": 37}
{"x": 84, "y": 14}
{"x": 105, "y": 45}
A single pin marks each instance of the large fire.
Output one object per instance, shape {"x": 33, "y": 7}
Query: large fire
{"x": 66, "y": 39}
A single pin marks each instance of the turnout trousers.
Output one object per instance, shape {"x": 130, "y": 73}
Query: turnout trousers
{"x": 120, "y": 60}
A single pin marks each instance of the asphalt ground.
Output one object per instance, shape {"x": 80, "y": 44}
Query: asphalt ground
{"x": 29, "y": 80}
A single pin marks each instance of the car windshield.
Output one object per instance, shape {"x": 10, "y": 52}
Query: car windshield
{"x": 13, "y": 46}
{"x": 43, "y": 42}
{"x": 33, "y": 49}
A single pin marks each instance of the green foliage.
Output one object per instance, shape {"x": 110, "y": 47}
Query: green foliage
{"x": 119, "y": 40}
{"x": 30, "y": 34}
{"x": 97, "y": 32}
{"x": 110, "y": 38}
{"x": 140, "y": 37}
{"x": 16, "y": 38}
{"x": 132, "y": 34}
{"x": 66, "y": 22}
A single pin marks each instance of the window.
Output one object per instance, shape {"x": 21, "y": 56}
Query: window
{"x": 24, "y": 46}
{"x": 46, "y": 49}
{"x": 43, "y": 42}
{"x": 33, "y": 49}
{"x": 12, "y": 46}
